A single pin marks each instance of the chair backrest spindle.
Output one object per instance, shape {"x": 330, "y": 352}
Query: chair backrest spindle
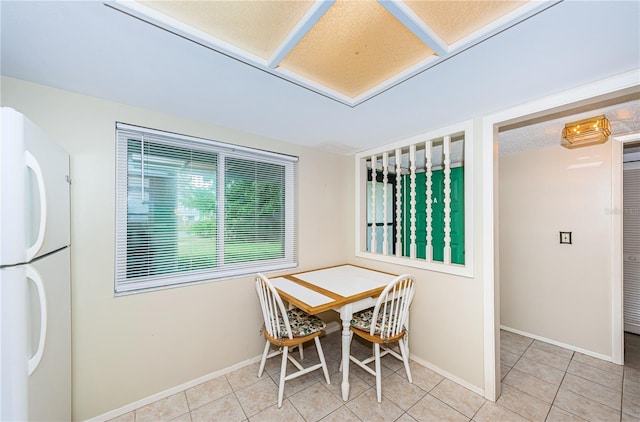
{"x": 273, "y": 311}
{"x": 392, "y": 307}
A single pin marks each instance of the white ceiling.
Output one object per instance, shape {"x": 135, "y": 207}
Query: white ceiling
{"x": 92, "y": 49}
{"x": 346, "y": 50}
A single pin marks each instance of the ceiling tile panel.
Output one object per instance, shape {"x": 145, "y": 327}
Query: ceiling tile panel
{"x": 257, "y": 27}
{"x": 355, "y": 46}
{"x": 454, "y": 20}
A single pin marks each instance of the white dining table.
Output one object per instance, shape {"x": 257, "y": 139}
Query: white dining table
{"x": 344, "y": 288}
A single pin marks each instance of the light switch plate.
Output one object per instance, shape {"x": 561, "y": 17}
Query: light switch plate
{"x": 565, "y": 238}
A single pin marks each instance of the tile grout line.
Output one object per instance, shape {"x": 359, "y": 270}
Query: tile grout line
{"x": 444, "y": 403}
{"x": 244, "y": 412}
{"x": 624, "y": 376}
{"x": 514, "y": 364}
{"x": 561, "y": 381}
{"x": 558, "y": 390}
{"x": 235, "y": 395}
{"x": 187, "y": 401}
{"x": 594, "y": 367}
{"x": 559, "y": 385}
{"x": 524, "y": 392}
{"x": 451, "y": 407}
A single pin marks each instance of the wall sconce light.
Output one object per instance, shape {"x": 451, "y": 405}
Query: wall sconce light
{"x": 592, "y": 131}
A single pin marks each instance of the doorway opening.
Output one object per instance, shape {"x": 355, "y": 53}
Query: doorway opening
{"x": 560, "y": 325}
{"x": 630, "y": 207}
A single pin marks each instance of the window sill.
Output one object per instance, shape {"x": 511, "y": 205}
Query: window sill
{"x": 453, "y": 269}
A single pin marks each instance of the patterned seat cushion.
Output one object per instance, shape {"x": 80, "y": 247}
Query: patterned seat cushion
{"x": 362, "y": 320}
{"x": 302, "y": 324}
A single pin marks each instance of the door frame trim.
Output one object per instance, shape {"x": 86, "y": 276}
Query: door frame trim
{"x": 617, "y": 253}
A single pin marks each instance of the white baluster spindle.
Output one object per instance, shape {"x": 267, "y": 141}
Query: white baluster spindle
{"x": 372, "y": 247}
{"x": 428, "y": 164}
{"x": 398, "y": 202}
{"x": 412, "y": 194}
{"x": 385, "y": 217}
{"x": 446, "y": 149}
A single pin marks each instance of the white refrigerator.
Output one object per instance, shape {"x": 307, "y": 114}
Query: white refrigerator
{"x": 35, "y": 296}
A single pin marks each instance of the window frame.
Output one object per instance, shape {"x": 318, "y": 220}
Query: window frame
{"x": 466, "y": 269}
{"x": 123, "y": 285}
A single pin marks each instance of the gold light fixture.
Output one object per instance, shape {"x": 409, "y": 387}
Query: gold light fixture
{"x": 591, "y": 131}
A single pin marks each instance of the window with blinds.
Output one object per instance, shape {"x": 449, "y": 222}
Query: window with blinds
{"x": 191, "y": 210}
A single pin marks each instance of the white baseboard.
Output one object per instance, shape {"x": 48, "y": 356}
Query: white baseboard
{"x": 335, "y": 326}
{"x": 558, "y": 343}
{"x": 171, "y": 391}
{"x": 448, "y": 375}
{"x": 331, "y": 328}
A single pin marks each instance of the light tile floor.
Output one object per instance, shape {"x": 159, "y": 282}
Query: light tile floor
{"x": 540, "y": 382}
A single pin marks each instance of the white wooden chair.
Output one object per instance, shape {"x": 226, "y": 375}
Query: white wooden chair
{"x": 391, "y": 314}
{"x": 286, "y": 329}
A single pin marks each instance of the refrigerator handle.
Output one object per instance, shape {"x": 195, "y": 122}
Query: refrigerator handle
{"x": 34, "y": 276}
{"x": 32, "y": 163}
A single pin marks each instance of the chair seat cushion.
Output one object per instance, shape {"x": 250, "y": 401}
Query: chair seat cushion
{"x": 362, "y": 321}
{"x": 302, "y": 324}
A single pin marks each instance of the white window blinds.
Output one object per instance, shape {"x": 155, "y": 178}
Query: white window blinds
{"x": 190, "y": 210}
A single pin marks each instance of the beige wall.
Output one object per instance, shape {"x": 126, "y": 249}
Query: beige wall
{"x": 447, "y": 320}
{"x": 128, "y": 348}
{"x": 559, "y": 292}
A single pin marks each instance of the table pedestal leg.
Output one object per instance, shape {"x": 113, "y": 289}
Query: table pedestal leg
{"x": 345, "y": 315}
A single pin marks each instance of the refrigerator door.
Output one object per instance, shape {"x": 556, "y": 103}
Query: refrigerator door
{"x": 43, "y": 173}
{"x": 13, "y": 243}
{"x": 48, "y": 214}
{"x": 49, "y": 385}
{"x": 14, "y": 342}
